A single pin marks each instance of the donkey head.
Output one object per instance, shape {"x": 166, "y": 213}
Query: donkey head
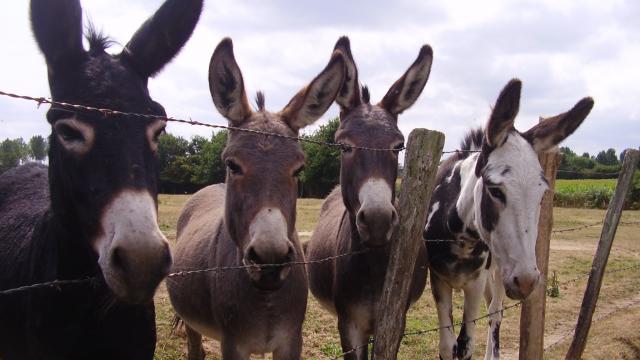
{"x": 511, "y": 184}
{"x": 262, "y": 170}
{"x": 368, "y": 177}
{"x": 103, "y": 169}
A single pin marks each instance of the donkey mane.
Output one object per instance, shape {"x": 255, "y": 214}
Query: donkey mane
{"x": 471, "y": 141}
{"x": 366, "y": 97}
{"x": 260, "y": 100}
{"x": 98, "y": 40}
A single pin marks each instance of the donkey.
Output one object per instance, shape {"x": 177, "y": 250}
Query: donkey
{"x": 482, "y": 223}
{"x": 360, "y": 214}
{"x": 93, "y": 211}
{"x": 249, "y": 222}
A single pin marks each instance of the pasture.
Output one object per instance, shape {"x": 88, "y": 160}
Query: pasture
{"x": 612, "y": 335}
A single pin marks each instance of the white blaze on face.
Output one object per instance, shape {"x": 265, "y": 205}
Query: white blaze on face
{"x": 375, "y": 193}
{"x": 133, "y": 252}
{"x": 375, "y": 198}
{"x": 131, "y": 215}
{"x": 268, "y": 234}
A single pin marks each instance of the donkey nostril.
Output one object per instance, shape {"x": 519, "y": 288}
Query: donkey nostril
{"x": 516, "y": 281}
{"x": 118, "y": 260}
{"x": 252, "y": 256}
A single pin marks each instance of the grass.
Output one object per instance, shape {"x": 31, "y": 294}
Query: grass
{"x": 571, "y": 254}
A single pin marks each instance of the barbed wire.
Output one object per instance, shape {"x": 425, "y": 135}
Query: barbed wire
{"x": 48, "y": 284}
{"x": 108, "y": 112}
{"x": 592, "y": 225}
{"x": 588, "y": 173}
{"x": 263, "y": 266}
{"x": 576, "y": 228}
{"x": 600, "y": 318}
{"x": 425, "y": 331}
{"x": 587, "y": 274}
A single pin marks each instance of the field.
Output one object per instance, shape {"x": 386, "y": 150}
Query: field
{"x": 613, "y": 335}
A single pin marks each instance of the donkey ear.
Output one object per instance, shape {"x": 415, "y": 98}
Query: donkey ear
{"x": 551, "y": 131}
{"x": 226, "y": 84}
{"x": 57, "y": 26}
{"x": 504, "y": 114}
{"x": 162, "y": 36}
{"x": 404, "y": 92}
{"x": 349, "y": 96}
{"x": 314, "y": 100}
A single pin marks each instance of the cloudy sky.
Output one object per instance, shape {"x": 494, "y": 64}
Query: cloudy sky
{"x": 561, "y": 50}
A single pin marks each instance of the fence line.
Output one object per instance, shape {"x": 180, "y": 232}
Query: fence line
{"x": 592, "y": 225}
{"x": 111, "y": 112}
{"x": 514, "y": 305}
{"x": 58, "y": 283}
{"x": 425, "y": 331}
{"x": 587, "y": 173}
{"x": 599, "y": 318}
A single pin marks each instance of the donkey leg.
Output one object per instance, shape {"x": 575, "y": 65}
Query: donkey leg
{"x": 231, "y": 352}
{"x": 494, "y": 294}
{"x": 473, "y": 294}
{"x": 354, "y": 339}
{"x": 195, "y": 350}
{"x": 290, "y": 351}
{"x": 442, "y": 294}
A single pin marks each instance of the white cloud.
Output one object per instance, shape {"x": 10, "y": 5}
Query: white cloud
{"x": 562, "y": 50}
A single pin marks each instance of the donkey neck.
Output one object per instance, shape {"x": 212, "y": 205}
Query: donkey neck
{"x": 465, "y": 203}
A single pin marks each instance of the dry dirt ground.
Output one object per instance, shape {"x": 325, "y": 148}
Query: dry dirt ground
{"x": 614, "y": 333}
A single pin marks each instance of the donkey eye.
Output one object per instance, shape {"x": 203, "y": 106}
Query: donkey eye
{"x": 398, "y": 147}
{"x": 233, "y": 167}
{"x": 68, "y": 133}
{"x": 497, "y": 193}
{"x": 298, "y": 171}
{"x": 345, "y": 148}
{"x": 157, "y": 134}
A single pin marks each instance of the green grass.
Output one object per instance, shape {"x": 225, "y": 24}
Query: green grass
{"x": 571, "y": 255}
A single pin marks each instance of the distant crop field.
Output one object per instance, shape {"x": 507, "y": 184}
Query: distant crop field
{"x": 589, "y": 193}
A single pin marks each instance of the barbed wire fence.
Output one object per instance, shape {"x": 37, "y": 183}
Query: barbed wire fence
{"x": 58, "y": 284}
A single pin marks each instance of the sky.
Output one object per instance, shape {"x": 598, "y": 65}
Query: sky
{"x": 561, "y": 50}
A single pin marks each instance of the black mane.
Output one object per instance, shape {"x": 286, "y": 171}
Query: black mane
{"x": 365, "y": 94}
{"x": 471, "y": 141}
{"x": 98, "y": 41}
{"x": 260, "y": 100}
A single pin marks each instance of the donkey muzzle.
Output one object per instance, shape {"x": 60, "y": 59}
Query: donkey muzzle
{"x": 133, "y": 253}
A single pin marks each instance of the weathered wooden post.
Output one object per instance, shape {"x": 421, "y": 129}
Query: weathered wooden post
{"x": 421, "y": 161}
{"x": 533, "y": 308}
{"x": 611, "y": 220}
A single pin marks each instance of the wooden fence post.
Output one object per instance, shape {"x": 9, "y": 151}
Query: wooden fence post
{"x": 611, "y": 220}
{"x": 421, "y": 164}
{"x": 533, "y": 308}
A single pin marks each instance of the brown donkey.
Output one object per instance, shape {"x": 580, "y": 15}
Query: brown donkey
{"x": 250, "y": 220}
{"x": 360, "y": 214}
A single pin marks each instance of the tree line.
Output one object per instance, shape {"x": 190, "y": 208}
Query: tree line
{"x": 14, "y": 152}
{"x": 188, "y": 165}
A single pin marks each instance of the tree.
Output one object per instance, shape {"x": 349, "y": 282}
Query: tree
{"x": 38, "y": 148}
{"x": 608, "y": 157}
{"x": 12, "y": 153}
{"x": 174, "y": 171}
{"x": 322, "y": 169}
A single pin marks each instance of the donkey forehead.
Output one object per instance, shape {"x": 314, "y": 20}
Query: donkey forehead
{"x": 263, "y": 146}
{"x": 514, "y": 161}
{"x": 369, "y": 122}
{"x": 104, "y": 81}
